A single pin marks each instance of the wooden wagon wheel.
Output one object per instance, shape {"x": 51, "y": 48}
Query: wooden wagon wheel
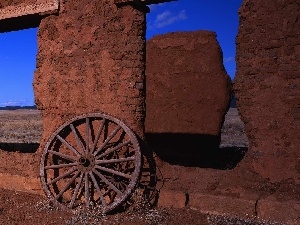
{"x": 91, "y": 159}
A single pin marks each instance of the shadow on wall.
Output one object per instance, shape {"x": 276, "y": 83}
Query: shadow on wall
{"x": 194, "y": 150}
{"x": 20, "y": 147}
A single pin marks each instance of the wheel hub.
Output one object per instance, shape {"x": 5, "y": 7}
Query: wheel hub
{"x": 86, "y": 162}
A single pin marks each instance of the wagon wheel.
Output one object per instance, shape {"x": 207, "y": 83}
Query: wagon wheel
{"x": 91, "y": 159}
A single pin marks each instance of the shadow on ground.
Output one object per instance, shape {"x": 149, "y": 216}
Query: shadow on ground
{"x": 194, "y": 150}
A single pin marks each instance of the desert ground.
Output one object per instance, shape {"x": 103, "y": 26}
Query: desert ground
{"x": 19, "y": 128}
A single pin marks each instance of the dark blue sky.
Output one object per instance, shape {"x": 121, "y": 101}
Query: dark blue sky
{"x": 18, "y": 49}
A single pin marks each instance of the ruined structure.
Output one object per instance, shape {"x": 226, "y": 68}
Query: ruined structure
{"x": 91, "y": 58}
{"x": 97, "y": 69}
{"x": 188, "y": 90}
{"x": 267, "y": 86}
{"x": 91, "y": 67}
{"x": 188, "y": 93}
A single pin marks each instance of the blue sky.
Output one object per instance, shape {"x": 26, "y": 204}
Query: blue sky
{"x": 18, "y": 49}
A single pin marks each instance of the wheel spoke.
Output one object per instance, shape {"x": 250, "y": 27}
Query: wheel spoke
{"x": 68, "y": 185}
{"x": 87, "y": 133}
{"x": 108, "y": 182}
{"x": 114, "y": 172}
{"x": 63, "y": 155}
{"x": 79, "y": 142}
{"x": 60, "y": 166}
{"x": 108, "y": 139}
{"x": 98, "y": 189}
{"x": 86, "y": 190}
{"x": 76, "y": 191}
{"x": 115, "y": 160}
{"x": 68, "y": 145}
{"x": 98, "y": 134}
{"x": 62, "y": 176}
{"x": 113, "y": 149}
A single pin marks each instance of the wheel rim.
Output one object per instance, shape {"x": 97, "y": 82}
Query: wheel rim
{"x": 91, "y": 159}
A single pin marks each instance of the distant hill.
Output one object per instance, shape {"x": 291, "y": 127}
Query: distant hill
{"x": 18, "y": 107}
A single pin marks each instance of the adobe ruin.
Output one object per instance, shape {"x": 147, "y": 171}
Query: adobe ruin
{"x": 187, "y": 95}
{"x": 267, "y": 86}
{"x": 90, "y": 61}
{"x": 97, "y": 59}
{"x": 189, "y": 92}
{"x": 97, "y": 70}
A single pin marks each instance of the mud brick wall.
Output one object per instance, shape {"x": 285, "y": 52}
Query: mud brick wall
{"x": 91, "y": 59}
{"x": 187, "y": 96}
{"x": 267, "y": 86}
{"x": 188, "y": 89}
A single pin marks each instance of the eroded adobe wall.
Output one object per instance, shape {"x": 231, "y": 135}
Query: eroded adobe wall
{"x": 267, "y": 86}
{"x": 188, "y": 89}
{"x": 188, "y": 95}
{"x": 91, "y": 59}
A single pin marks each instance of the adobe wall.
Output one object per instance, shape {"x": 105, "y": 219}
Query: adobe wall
{"x": 188, "y": 89}
{"x": 188, "y": 95}
{"x": 91, "y": 59}
{"x": 267, "y": 86}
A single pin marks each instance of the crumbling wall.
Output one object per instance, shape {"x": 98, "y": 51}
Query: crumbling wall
{"x": 91, "y": 59}
{"x": 267, "y": 86}
{"x": 188, "y": 93}
{"x": 188, "y": 89}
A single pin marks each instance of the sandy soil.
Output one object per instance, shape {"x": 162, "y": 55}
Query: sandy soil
{"x": 17, "y": 208}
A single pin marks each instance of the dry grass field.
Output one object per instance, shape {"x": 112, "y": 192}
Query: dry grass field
{"x": 25, "y": 126}
{"x": 233, "y": 134}
{"x": 20, "y": 126}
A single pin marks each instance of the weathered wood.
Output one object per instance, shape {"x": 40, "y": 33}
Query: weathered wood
{"x": 40, "y": 7}
{"x": 24, "y": 15}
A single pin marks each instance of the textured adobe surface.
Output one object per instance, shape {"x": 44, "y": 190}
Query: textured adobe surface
{"x": 267, "y": 86}
{"x": 84, "y": 64}
{"x": 188, "y": 95}
{"x": 188, "y": 90}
